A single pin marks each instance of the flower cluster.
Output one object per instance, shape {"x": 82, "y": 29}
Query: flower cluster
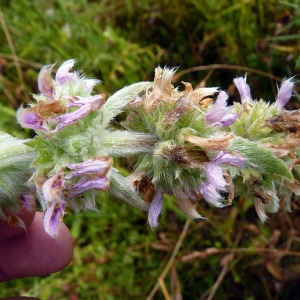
{"x": 66, "y": 170}
{"x": 205, "y": 149}
{"x": 180, "y": 142}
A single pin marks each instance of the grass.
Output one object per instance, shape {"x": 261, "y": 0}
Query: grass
{"x": 116, "y": 256}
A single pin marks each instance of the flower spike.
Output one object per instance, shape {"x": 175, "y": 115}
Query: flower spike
{"x": 187, "y": 143}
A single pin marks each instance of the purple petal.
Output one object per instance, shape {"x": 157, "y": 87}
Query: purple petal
{"x": 53, "y": 216}
{"x": 229, "y": 158}
{"x": 218, "y": 115}
{"x": 99, "y": 166}
{"x": 226, "y": 120}
{"x": 28, "y": 119}
{"x": 70, "y": 118}
{"x": 155, "y": 209}
{"x": 95, "y": 101}
{"x": 63, "y": 74}
{"x": 243, "y": 89}
{"x": 210, "y": 194}
{"x": 45, "y": 82}
{"x": 85, "y": 184}
{"x": 215, "y": 176}
{"x": 284, "y": 93}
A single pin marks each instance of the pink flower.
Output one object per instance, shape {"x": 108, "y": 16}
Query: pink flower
{"x": 91, "y": 173}
{"x": 53, "y": 217}
{"x": 29, "y": 119}
{"x": 284, "y": 93}
{"x": 219, "y": 115}
{"x": 87, "y": 183}
{"x": 215, "y": 180}
{"x": 243, "y": 89}
{"x": 211, "y": 194}
{"x": 98, "y": 166}
{"x": 86, "y": 106}
{"x": 155, "y": 209}
{"x": 69, "y": 182}
{"x": 63, "y": 74}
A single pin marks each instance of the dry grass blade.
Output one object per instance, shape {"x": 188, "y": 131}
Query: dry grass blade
{"x": 160, "y": 282}
{"x": 225, "y": 263}
{"x": 12, "y": 49}
{"x": 223, "y": 66}
{"x": 26, "y": 62}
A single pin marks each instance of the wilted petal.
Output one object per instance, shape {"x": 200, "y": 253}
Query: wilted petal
{"x": 186, "y": 205}
{"x": 210, "y": 194}
{"x": 260, "y": 209}
{"x": 215, "y": 176}
{"x": 284, "y": 93}
{"x": 222, "y": 141}
{"x": 53, "y": 217}
{"x": 63, "y": 74}
{"x": 229, "y": 158}
{"x": 155, "y": 209}
{"x": 218, "y": 115}
{"x": 45, "y": 82}
{"x": 243, "y": 89}
{"x": 84, "y": 184}
{"x": 199, "y": 95}
{"x": 52, "y": 188}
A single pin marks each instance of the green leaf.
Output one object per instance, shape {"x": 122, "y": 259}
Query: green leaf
{"x": 260, "y": 158}
{"x": 116, "y": 103}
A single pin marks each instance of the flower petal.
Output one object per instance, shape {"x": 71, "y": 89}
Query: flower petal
{"x": 186, "y": 205}
{"x": 63, "y": 74}
{"x": 45, "y": 82}
{"x": 215, "y": 176}
{"x": 155, "y": 209}
{"x": 226, "y": 120}
{"x": 70, "y": 118}
{"x": 28, "y": 119}
{"x": 284, "y": 93}
{"x": 52, "y": 188}
{"x": 53, "y": 217}
{"x": 96, "y": 101}
{"x": 217, "y": 111}
{"x": 243, "y": 89}
{"x": 260, "y": 209}
{"x": 210, "y": 194}
{"x": 84, "y": 184}
{"x": 229, "y": 158}
{"x": 99, "y": 166}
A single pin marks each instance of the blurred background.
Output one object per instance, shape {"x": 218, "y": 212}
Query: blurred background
{"x": 116, "y": 255}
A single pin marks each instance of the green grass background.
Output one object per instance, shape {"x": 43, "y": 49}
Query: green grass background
{"x": 116, "y": 255}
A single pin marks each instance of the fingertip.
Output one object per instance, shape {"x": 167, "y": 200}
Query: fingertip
{"x": 26, "y": 215}
{"x": 35, "y": 253}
